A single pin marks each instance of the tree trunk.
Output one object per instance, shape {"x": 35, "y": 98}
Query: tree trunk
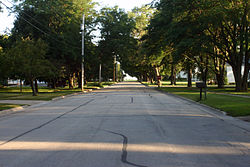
{"x": 79, "y": 79}
{"x": 173, "y": 75}
{"x": 36, "y": 86}
{"x": 54, "y": 84}
{"x": 219, "y": 69}
{"x": 100, "y": 73}
{"x": 246, "y": 73}
{"x": 241, "y": 82}
{"x": 71, "y": 82}
{"x": 206, "y": 70}
{"x": 21, "y": 86}
{"x": 237, "y": 77}
{"x": 140, "y": 78}
{"x": 32, "y": 87}
{"x": 190, "y": 77}
{"x": 220, "y": 80}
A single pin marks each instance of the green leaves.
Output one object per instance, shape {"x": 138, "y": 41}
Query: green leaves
{"x": 116, "y": 29}
{"x": 28, "y": 58}
{"x": 216, "y": 29}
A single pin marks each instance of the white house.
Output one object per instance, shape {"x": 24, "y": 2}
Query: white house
{"x": 230, "y": 75}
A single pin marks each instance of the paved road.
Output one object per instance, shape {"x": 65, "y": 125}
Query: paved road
{"x": 125, "y": 125}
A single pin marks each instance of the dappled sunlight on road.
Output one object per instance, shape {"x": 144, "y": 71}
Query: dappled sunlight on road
{"x": 99, "y": 146}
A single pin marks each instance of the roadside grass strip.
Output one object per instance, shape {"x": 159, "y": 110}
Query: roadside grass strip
{"x": 8, "y": 106}
{"x": 42, "y": 95}
{"x": 233, "y": 106}
{"x": 45, "y": 93}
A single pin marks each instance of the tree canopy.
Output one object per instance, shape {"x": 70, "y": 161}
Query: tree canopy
{"x": 150, "y": 42}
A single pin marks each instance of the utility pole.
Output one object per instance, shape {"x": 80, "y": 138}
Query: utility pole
{"x": 100, "y": 73}
{"x": 82, "y": 28}
{"x": 116, "y": 72}
{"x": 114, "y": 78}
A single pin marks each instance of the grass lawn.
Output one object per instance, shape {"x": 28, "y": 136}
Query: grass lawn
{"x": 228, "y": 90}
{"x": 8, "y": 106}
{"x": 13, "y": 93}
{"x": 234, "y": 106}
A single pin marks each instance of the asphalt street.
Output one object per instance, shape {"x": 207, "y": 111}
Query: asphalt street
{"x": 125, "y": 125}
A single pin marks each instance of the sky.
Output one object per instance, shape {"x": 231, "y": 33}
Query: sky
{"x": 7, "y": 19}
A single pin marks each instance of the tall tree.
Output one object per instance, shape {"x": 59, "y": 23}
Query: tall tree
{"x": 205, "y": 31}
{"x": 138, "y": 64}
{"x": 116, "y": 39}
{"x": 28, "y": 60}
{"x": 228, "y": 29}
{"x": 58, "y": 23}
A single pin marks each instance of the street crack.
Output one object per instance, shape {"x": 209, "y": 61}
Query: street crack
{"x": 46, "y": 123}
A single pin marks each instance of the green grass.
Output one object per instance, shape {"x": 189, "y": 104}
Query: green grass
{"x": 13, "y": 93}
{"x": 8, "y": 106}
{"x": 234, "y": 106}
{"x": 228, "y": 90}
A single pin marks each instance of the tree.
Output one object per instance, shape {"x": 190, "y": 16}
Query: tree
{"x": 58, "y": 24}
{"x": 142, "y": 17}
{"x": 208, "y": 32}
{"x": 228, "y": 29}
{"x": 116, "y": 40}
{"x": 28, "y": 60}
{"x": 137, "y": 64}
{"x": 4, "y": 61}
{"x": 3, "y": 67}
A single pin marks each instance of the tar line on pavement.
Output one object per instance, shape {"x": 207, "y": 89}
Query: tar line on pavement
{"x": 46, "y": 123}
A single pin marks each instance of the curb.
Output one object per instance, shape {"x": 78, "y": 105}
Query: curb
{"x": 191, "y": 101}
{"x": 244, "y": 118}
{"x": 17, "y": 109}
{"x": 12, "y": 110}
{"x": 239, "y": 122}
{"x": 70, "y": 95}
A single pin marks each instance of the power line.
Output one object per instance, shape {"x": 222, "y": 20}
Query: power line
{"x": 29, "y": 16}
{"x": 54, "y": 11}
{"x": 38, "y": 27}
